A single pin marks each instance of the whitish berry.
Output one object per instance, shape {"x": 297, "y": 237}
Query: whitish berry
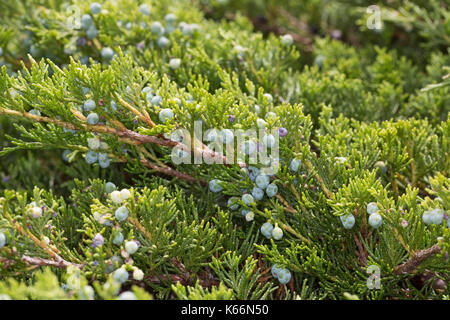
{"x": 250, "y": 216}
{"x": 269, "y": 140}
{"x": 271, "y": 190}
{"x": 120, "y": 275}
{"x": 437, "y": 216}
{"x": 348, "y": 221}
{"x": 116, "y": 197}
{"x": 96, "y": 8}
{"x": 244, "y": 212}
{"x": 295, "y": 164}
{"x": 261, "y": 123}
{"x": 86, "y": 21}
{"x": 275, "y": 270}
{"x": 239, "y": 50}
{"x": 144, "y": 9}
{"x": 125, "y": 194}
{"x": 138, "y": 274}
{"x": 257, "y": 193}
{"x": 381, "y": 166}
{"x": 341, "y": 159}
{"x": 121, "y": 213}
{"x": 94, "y": 143}
{"x": 2, "y": 240}
{"x": 36, "y": 212}
{"x": 170, "y": 18}
{"x": 253, "y": 172}
{"x": 118, "y": 239}
{"x": 127, "y": 295}
{"x": 372, "y": 207}
{"x": 284, "y": 276}
{"x": 214, "y": 185}
{"x": 98, "y": 240}
{"x": 248, "y": 199}
{"x": 166, "y": 115}
{"x": 227, "y": 136}
{"x": 277, "y": 233}
{"x": 319, "y": 60}
{"x": 174, "y": 63}
{"x": 163, "y": 42}
{"x": 89, "y": 105}
{"x": 104, "y": 163}
{"x": 35, "y": 112}
{"x": 110, "y": 187}
{"x": 65, "y": 155}
{"x": 92, "y": 118}
{"x": 271, "y": 115}
{"x": 287, "y": 40}
{"x": 262, "y": 181}
{"x": 107, "y": 53}
{"x": 269, "y": 97}
{"x": 131, "y": 246}
{"x": 156, "y": 100}
{"x": 266, "y": 230}
{"x": 375, "y": 220}
{"x": 157, "y": 28}
{"x": 233, "y": 203}
{"x": 91, "y": 157}
{"x": 92, "y": 32}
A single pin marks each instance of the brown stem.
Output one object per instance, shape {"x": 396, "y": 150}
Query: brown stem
{"x": 61, "y": 263}
{"x": 418, "y": 257}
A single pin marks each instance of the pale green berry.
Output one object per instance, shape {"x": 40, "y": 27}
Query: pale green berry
{"x": 174, "y": 63}
{"x": 131, "y": 247}
{"x": 36, "y": 212}
{"x": 277, "y": 233}
{"x": 287, "y": 40}
{"x": 214, "y": 186}
{"x": 233, "y": 203}
{"x": 375, "y": 220}
{"x": 262, "y": 181}
{"x": 348, "y": 221}
{"x": 248, "y": 199}
{"x": 94, "y": 143}
{"x": 144, "y": 9}
{"x": 257, "y": 193}
{"x": 250, "y": 216}
{"x": 138, "y": 274}
{"x": 121, "y": 213}
{"x": 166, "y": 115}
{"x": 127, "y": 295}
{"x": 372, "y": 207}
{"x": 266, "y": 230}
{"x": 116, "y": 197}
{"x": 272, "y": 190}
{"x": 120, "y": 275}
{"x": 110, "y": 187}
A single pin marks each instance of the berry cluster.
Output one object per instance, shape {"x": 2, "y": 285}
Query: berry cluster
{"x": 283, "y": 275}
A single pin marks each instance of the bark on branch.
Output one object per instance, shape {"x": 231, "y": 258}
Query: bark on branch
{"x": 418, "y": 257}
